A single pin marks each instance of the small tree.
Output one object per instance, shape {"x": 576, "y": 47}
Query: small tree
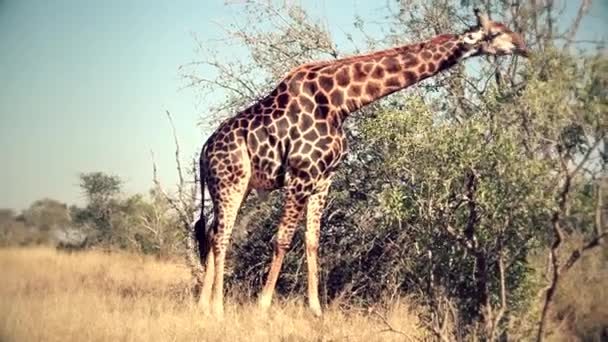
{"x": 100, "y": 191}
{"x": 46, "y": 214}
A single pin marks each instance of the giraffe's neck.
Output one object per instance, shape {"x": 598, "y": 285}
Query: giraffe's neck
{"x": 367, "y": 78}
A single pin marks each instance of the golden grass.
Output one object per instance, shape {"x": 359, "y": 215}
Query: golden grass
{"x": 579, "y": 311}
{"x": 581, "y": 302}
{"x": 47, "y": 295}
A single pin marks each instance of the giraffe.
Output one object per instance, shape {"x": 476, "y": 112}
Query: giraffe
{"x": 293, "y": 140}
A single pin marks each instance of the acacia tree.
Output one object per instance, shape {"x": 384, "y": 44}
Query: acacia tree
{"x": 451, "y": 186}
{"x": 100, "y": 190}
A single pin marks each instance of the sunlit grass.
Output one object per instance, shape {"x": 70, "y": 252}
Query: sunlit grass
{"x": 47, "y": 295}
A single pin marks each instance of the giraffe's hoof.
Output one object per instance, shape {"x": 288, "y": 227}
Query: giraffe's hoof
{"x": 264, "y": 304}
{"x": 217, "y": 311}
{"x": 316, "y": 311}
{"x": 218, "y": 315}
{"x": 204, "y": 309}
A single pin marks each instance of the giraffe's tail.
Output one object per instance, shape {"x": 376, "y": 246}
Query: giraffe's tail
{"x": 200, "y": 231}
{"x": 201, "y": 239}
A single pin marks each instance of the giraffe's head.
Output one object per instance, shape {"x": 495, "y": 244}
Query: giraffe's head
{"x": 494, "y": 38}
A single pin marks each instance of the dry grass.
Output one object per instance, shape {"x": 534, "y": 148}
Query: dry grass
{"x": 46, "y": 295}
{"x": 579, "y": 311}
{"x": 581, "y": 308}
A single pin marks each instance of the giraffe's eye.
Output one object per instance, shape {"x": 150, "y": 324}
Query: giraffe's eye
{"x": 493, "y": 35}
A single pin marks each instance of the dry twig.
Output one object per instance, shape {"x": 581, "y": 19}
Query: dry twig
{"x": 389, "y": 326}
{"x": 184, "y": 210}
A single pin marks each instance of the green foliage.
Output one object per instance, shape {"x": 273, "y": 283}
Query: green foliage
{"x": 460, "y": 192}
{"x": 146, "y": 225}
{"x": 142, "y": 224}
{"x": 99, "y": 187}
{"x": 100, "y": 190}
{"x": 444, "y": 189}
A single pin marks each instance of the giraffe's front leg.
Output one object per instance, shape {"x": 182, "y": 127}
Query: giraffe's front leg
{"x": 292, "y": 212}
{"x": 314, "y": 211}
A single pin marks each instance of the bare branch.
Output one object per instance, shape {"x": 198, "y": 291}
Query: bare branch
{"x": 439, "y": 326}
{"x": 587, "y": 155}
{"x": 182, "y": 209}
{"x": 549, "y": 19}
{"x": 197, "y": 80}
{"x": 196, "y": 180}
{"x": 582, "y": 10}
{"x": 389, "y": 326}
{"x": 178, "y": 163}
{"x": 503, "y": 295}
{"x": 576, "y": 254}
{"x": 599, "y": 206}
{"x": 169, "y": 199}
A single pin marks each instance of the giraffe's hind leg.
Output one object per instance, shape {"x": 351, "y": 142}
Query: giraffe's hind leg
{"x": 227, "y": 176}
{"x": 227, "y": 198}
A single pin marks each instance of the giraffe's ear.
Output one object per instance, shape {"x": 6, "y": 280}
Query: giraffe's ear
{"x": 483, "y": 20}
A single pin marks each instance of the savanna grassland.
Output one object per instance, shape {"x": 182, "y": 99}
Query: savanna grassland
{"x": 46, "y": 295}
{"x": 480, "y": 195}
{"x": 49, "y": 295}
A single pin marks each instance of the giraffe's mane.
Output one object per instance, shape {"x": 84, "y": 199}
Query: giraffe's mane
{"x": 439, "y": 39}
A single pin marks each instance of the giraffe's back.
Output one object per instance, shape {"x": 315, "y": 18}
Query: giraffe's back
{"x": 291, "y": 132}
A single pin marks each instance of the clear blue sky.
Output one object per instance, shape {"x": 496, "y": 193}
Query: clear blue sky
{"x": 85, "y": 85}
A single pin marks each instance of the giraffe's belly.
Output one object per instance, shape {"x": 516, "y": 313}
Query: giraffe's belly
{"x": 277, "y": 158}
{"x": 266, "y": 178}
{"x": 267, "y": 174}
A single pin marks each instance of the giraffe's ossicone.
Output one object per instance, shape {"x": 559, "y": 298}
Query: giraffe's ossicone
{"x": 293, "y": 139}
